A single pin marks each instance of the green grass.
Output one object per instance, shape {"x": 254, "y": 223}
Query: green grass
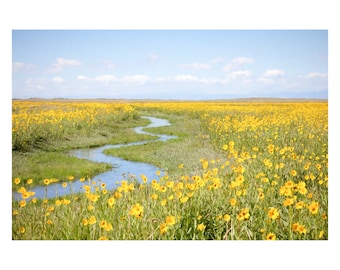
{"x": 51, "y": 160}
{"x": 187, "y": 149}
{"x": 41, "y": 165}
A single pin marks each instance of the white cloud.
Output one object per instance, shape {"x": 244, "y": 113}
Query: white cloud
{"x": 185, "y": 77}
{"x": 266, "y": 81}
{"x": 241, "y": 60}
{"x": 136, "y": 78}
{"x": 197, "y": 66}
{"x": 20, "y": 66}
{"x": 62, "y": 62}
{"x": 58, "y": 80}
{"x": 315, "y": 75}
{"x": 82, "y": 77}
{"x": 105, "y": 78}
{"x": 38, "y": 84}
{"x": 238, "y": 73}
{"x": 273, "y": 73}
{"x": 237, "y": 62}
{"x": 191, "y": 78}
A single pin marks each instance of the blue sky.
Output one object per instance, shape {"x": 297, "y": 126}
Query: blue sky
{"x": 169, "y": 64}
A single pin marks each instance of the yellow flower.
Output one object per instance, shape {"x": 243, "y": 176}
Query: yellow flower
{"x": 87, "y": 189}
{"x": 184, "y": 199}
{"x": 271, "y": 236}
{"x": 273, "y": 213}
{"x": 299, "y": 205}
{"x": 226, "y": 217}
{"x": 201, "y": 227}
{"x": 321, "y": 234}
{"x": 64, "y": 185}
{"x": 92, "y": 220}
{"x": 170, "y": 220}
{"x": 117, "y": 195}
{"x": 111, "y": 202}
{"x": 296, "y": 227}
{"x": 163, "y": 228}
{"x": 49, "y": 222}
{"x": 90, "y": 207}
{"x": 58, "y": 202}
{"x": 17, "y": 181}
{"x": 288, "y": 201}
{"x": 85, "y": 221}
{"x": 144, "y": 178}
{"x": 302, "y": 230}
{"x": 29, "y": 181}
{"x": 154, "y": 196}
{"x": 46, "y": 181}
{"x": 102, "y": 185}
{"x": 136, "y": 210}
{"x": 163, "y": 202}
{"x": 162, "y": 189}
{"x": 108, "y": 227}
{"x": 244, "y": 214}
{"x": 92, "y": 197}
{"x": 22, "y": 203}
{"x": 313, "y": 208}
{"x": 25, "y": 195}
{"x": 66, "y": 201}
{"x": 232, "y": 201}
{"x": 103, "y": 224}
{"x": 103, "y": 238}
{"x": 22, "y": 230}
{"x": 261, "y": 195}
{"x": 21, "y": 190}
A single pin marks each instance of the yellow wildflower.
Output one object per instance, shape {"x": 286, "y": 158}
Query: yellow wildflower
{"x": 201, "y": 227}
{"x": 111, "y": 201}
{"x": 271, "y": 236}
{"x": 313, "y": 208}
{"x": 170, "y": 220}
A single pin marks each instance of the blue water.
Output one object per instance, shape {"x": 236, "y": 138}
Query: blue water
{"x": 122, "y": 169}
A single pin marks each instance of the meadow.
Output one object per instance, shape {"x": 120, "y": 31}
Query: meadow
{"x": 239, "y": 170}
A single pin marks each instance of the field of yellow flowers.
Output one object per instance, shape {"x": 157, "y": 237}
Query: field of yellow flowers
{"x": 271, "y": 182}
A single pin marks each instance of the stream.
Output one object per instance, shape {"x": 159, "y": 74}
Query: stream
{"x": 122, "y": 169}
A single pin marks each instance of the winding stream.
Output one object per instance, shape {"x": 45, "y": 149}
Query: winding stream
{"x": 121, "y": 170}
